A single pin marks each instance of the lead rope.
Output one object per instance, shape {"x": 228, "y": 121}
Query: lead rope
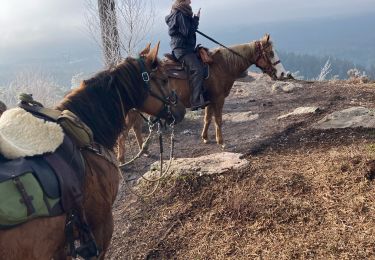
{"x": 144, "y": 146}
{"x": 162, "y": 174}
{"x": 171, "y": 152}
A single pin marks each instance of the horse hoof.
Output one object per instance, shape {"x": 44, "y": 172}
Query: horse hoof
{"x": 223, "y": 146}
{"x": 205, "y": 141}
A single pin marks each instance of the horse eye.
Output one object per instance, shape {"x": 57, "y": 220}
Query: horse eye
{"x": 272, "y": 54}
{"x": 154, "y": 65}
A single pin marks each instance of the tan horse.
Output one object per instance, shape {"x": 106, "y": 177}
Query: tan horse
{"x": 133, "y": 121}
{"x": 101, "y": 102}
{"x": 227, "y": 66}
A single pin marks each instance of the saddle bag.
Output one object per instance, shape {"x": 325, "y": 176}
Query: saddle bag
{"x": 22, "y": 195}
{"x": 72, "y": 125}
{"x": 75, "y": 128}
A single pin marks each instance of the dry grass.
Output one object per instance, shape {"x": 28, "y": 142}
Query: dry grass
{"x": 306, "y": 202}
{"x": 307, "y": 194}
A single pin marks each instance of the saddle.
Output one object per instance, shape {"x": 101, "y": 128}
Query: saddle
{"x": 44, "y": 185}
{"x": 51, "y": 183}
{"x": 177, "y": 70}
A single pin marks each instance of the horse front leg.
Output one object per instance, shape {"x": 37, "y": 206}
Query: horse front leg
{"x": 121, "y": 146}
{"x": 106, "y": 231}
{"x": 138, "y": 134}
{"x": 218, "y": 113}
{"x": 207, "y": 121}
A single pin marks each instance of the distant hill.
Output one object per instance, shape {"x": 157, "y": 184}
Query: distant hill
{"x": 348, "y": 41}
{"x": 349, "y": 38}
{"x": 309, "y": 66}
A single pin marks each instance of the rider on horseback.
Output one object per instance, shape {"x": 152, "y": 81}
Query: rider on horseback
{"x": 182, "y": 25}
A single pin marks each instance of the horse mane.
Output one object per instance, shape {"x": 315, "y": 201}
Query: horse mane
{"x": 232, "y": 62}
{"x": 100, "y": 102}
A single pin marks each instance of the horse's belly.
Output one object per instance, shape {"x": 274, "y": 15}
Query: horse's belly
{"x": 36, "y": 239}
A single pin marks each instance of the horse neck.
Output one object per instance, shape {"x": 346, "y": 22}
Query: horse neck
{"x": 240, "y": 60}
{"x": 99, "y": 108}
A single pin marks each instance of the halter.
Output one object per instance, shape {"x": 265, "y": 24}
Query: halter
{"x": 168, "y": 101}
{"x": 260, "y": 49}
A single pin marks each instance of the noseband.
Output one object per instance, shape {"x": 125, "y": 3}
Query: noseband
{"x": 260, "y": 50}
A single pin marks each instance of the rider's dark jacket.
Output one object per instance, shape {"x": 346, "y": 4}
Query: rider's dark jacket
{"x": 182, "y": 30}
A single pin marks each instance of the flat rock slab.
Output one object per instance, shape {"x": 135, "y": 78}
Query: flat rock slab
{"x": 238, "y": 117}
{"x": 216, "y": 163}
{"x": 301, "y": 111}
{"x": 286, "y": 87}
{"x": 351, "y": 117}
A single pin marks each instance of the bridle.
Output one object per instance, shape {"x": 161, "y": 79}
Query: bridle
{"x": 168, "y": 101}
{"x": 260, "y": 49}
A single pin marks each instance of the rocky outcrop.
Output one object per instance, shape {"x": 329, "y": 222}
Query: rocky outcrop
{"x": 216, "y": 163}
{"x": 351, "y": 117}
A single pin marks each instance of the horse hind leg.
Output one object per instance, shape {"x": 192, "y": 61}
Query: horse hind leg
{"x": 207, "y": 121}
{"x": 218, "y": 113}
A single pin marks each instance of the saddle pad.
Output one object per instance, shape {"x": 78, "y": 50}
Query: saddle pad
{"x": 13, "y": 210}
{"x": 22, "y": 134}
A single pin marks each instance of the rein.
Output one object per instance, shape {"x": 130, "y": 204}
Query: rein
{"x": 259, "y": 48}
{"x": 222, "y": 45}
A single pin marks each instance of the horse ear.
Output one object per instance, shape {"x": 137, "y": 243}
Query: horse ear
{"x": 153, "y": 54}
{"x": 267, "y": 37}
{"x": 146, "y": 50}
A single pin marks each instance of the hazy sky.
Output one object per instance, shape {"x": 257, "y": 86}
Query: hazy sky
{"x": 25, "y": 24}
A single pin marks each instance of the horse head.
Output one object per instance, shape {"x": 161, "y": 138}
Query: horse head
{"x": 268, "y": 60}
{"x": 161, "y": 98}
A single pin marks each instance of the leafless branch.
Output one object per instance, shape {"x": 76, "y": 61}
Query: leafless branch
{"x": 134, "y": 21}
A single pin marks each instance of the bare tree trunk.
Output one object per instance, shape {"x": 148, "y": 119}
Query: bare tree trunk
{"x": 119, "y": 25}
{"x": 109, "y": 31}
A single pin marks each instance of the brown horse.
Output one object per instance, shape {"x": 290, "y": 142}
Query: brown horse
{"x": 133, "y": 120}
{"x": 102, "y": 103}
{"x": 227, "y": 66}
